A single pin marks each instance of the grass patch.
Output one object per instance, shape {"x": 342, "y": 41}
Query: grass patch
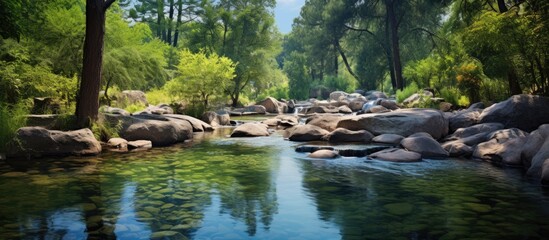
{"x": 11, "y": 119}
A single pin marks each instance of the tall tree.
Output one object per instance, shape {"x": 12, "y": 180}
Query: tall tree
{"x": 87, "y": 104}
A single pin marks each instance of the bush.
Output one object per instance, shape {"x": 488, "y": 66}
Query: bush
{"x": 11, "y": 119}
{"x": 158, "y": 96}
{"x": 104, "y": 130}
{"x": 401, "y": 95}
{"x": 463, "y": 101}
{"x": 135, "y": 107}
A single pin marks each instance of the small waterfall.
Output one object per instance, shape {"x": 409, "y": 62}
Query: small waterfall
{"x": 298, "y": 110}
{"x": 368, "y": 105}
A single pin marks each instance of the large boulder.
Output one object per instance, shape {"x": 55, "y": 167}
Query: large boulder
{"x": 161, "y": 131}
{"x": 128, "y": 97}
{"x": 373, "y": 95}
{"x": 283, "y": 120}
{"x": 338, "y": 95}
{"x": 396, "y": 155}
{"x": 424, "y": 145}
{"x": 345, "y": 109}
{"x": 197, "y": 124}
{"x": 258, "y": 109}
{"x": 464, "y": 119}
{"x": 403, "y": 122}
{"x": 251, "y": 130}
{"x": 216, "y": 119}
{"x": 113, "y": 110}
{"x": 458, "y": 149}
{"x": 323, "y": 109}
{"x": 345, "y": 135}
{"x": 38, "y": 142}
{"x": 533, "y": 144}
{"x": 474, "y": 130}
{"x": 271, "y": 105}
{"x": 357, "y": 104}
{"x": 328, "y": 122}
{"x": 526, "y": 112}
{"x": 304, "y": 133}
{"x": 505, "y": 147}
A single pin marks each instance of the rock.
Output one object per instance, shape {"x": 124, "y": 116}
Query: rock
{"x": 259, "y": 109}
{"x": 389, "y": 104}
{"x": 216, "y": 119}
{"x": 463, "y": 119}
{"x": 445, "y": 106}
{"x": 426, "y": 146}
{"x": 416, "y": 98}
{"x": 198, "y": 125}
{"x": 378, "y": 109}
{"x": 345, "y": 135}
{"x": 478, "y": 105}
{"x": 357, "y": 104}
{"x": 545, "y": 172}
{"x": 402, "y": 122}
{"x": 272, "y": 122}
{"x": 388, "y": 138}
{"x": 132, "y": 97}
{"x": 310, "y": 149}
{"x": 139, "y": 144}
{"x": 271, "y": 105}
{"x": 112, "y": 110}
{"x": 373, "y": 95}
{"x": 396, "y": 155}
{"x": 323, "y": 153}
{"x": 338, "y": 95}
{"x": 505, "y": 147}
{"x": 161, "y": 131}
{"x": 118, "y": 143}
{"x": 457, "y": 149}
{"x": 538, "y": 161}
{"x": 282, "y": 107}
{"x": 307, "y": 132}
{"x": 533, "y": 144}
{"x": 283, "y": 120}
{"x": 476, "y": 129}
{"x": 328, "y": 122}
{"x": 323, "y": 109}
{"x": 344, "y": 109}
{"x": 37, "y": 142}
{"x": 360, "y": 152}
{"x": 526, "y": 112}
{"x": 251, "y": 130}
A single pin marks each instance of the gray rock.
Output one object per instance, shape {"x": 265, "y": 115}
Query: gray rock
{"x": 507, "y": 152}
{"x": 251, "y": 130}
{"x": 306, "y": 133}
{"x": 357, "y": 104}
{"x": 463, "y": 119}
{"x": 378, "y": 109}
{"x": 139, "y": 144}
{"x": 478, "y": 105}
{"x": 533, "y": 144}
{"x": 338, "y": 95}
{"x": 323, "y": 153}
{"x": 396, "y": 155}
{"x": 259, "y": 109}
{"x": 373, "y": 95}
{"x": 389, "y": 104}
{"x": 388, "y": 138}
{"x": 216, "y": 119}
{"x": 526, "y": 112}
{"x": 328, "y": 122}
{"x": 112, "y": 110}
{"x": 161, "y": 131}
{"x": 323, "y": 109}
{"x": 118, "y": 143}
{"x": 132, "y": 97}
{"x": 402, "y": 122}
{"x": 542, "y": 154}
{"x": 38, "y": 142}
{"x": 271, "y": 105}
{"x": 476, "y": 129}
{"x": 198, "y": 125}
{"x": 344, "y": 109}
{"x": 345, "y": 135}
{"x": 457, "y": 149}
{"x": 426, "y": 146}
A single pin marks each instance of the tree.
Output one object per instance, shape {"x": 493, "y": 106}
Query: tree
{"x": 87, "y": 104}
{"x": 202, "y": 76}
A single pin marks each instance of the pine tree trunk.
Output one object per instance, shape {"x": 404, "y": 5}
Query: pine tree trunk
{"x": 87, "y": 104}
{"x": 170, "y": 23}
{"x": 178, "y": 24}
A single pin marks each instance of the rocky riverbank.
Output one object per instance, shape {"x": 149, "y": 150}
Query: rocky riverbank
{"x": 510, "y": 133}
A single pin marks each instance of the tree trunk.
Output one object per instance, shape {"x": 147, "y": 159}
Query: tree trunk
{"x": 502, "y": 7}
{"x": 178, "y": 24}
{"x": 160, "y": 31}
{"x": 347, "y": 65}
{"x": 336, "y": 62}
{"x": 393, "y": 25}
{"x": 170, "y": 23}
{"x": 389, "y": 54}
{"x": 514, "y": 86}
{"x": 87, "y": 105}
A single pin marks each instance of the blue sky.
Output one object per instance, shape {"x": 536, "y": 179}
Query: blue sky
{"x": 285, "y": 12}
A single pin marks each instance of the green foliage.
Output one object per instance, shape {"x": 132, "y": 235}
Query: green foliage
{"x": 104, "y": 130}
{"x": 203, "y": 78}
{"x": 406, "y": 92}
{"x": 452, "y": 95}
{"x": 158, "y": 96}
{"x": 11, "y": 119}
{"x": 463, "y": 101}
{"x": 134, "y": 107}
{"x": 340, "y": 83}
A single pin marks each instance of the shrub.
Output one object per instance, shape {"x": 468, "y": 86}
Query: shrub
{"x": 463, "y": 101}
{"x": 135, "y": 107}
{"x": 158, "y": 96}
{"x": 401, "y": 95}
{"x": 11, "y": 119}
{"x": 104, "y": 130}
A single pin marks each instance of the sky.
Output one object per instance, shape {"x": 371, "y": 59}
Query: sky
{"x": 285, "y": 12}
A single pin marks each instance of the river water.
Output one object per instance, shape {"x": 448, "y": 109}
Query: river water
{"x": 260, "y": 188}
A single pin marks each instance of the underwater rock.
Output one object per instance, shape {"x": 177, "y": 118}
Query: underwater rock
{"x": 399, "y": 209}
{"x": 323, "y": 153}
{"x": 167, "y": 235}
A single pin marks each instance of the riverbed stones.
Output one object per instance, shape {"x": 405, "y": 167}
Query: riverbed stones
{"x": 38, "y": 142}
{"x": 308, "y": 132}
{"x": 396, "y": 155}
{"x": 251, "y": 130}
{"x": 505, "y": 147}
{"x": 388, "y": 138}
{"x": 425, "y": 145}
{"x": 403, "y": 122}
{"x": 526, "y": 112}
{"x": 345, "y": 135}
{"x": 323, "y": 153}
{"x": 161, "y": 131}
{"x": 324, "y": 121}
